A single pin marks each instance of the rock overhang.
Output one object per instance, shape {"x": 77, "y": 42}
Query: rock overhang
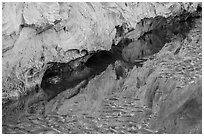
{"x": 60, "y": 31}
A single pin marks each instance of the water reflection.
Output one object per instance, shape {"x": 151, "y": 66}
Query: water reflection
{"x": 152, "y": 42}
{"x": 141, "y": 48}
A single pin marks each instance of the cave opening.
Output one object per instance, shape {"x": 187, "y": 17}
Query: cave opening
{"x": 156, "y": 32}
{"x": 129, "y": 52}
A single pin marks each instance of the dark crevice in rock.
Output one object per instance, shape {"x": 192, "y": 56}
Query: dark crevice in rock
{"x": 157, "y": 31}
{"x": 39, "y": 30}
{"x": 121, "y": 30}
{"x": 6, "y": 49}
{"x": 61, "y": 76}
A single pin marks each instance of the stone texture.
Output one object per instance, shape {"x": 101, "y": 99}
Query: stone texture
{"x": 162, "y": 96}
{"x": 36, "y": 33}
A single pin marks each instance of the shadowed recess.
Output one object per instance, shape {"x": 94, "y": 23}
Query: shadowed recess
{"x": 155, "y": 33}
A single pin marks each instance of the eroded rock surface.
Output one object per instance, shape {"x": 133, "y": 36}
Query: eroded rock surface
{"x": 61, "y": 76}
{"x": 36, "y": 33}
{"x": 112, "y": 95}
{"x": 162, "y": 96}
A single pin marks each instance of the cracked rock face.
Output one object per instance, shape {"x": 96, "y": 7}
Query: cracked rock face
{"x": 36, "y": 33}
{"x": 102, "y": 67}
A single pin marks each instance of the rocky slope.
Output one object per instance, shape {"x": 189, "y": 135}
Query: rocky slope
{"x": 137, "y": 91}
{"x": 162, "y": 96}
